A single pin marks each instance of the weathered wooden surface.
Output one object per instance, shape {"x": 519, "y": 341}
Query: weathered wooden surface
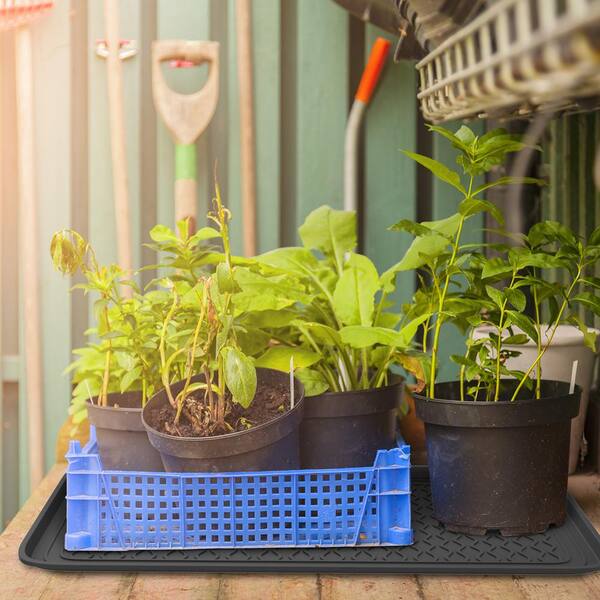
{"x": 18, "y": 581}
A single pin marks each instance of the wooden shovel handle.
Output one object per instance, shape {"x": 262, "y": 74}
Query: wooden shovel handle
{"x": 185, "y": 115}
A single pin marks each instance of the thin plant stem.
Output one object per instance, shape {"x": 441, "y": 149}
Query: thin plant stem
{"x": 500, "y": 329}
{"x": 439, "y": 319}
{"x": 538, "y": 327}
{"x": 551, "y": 336}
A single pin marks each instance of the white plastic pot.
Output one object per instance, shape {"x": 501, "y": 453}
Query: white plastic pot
{"x": 557, "y": 363}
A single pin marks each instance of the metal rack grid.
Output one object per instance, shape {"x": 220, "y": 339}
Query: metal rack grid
{"x": 516, "y": 57}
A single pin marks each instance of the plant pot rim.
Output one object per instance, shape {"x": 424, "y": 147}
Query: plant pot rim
{"x": 123, "y": 418}
{"x": 550, "y": 408}
{"x": 298, "y": 406}
{"x": 544, "y": 398}
{"x": 348, "y": 393}
{"x": 566, "y": 335}
{"x": 354, "y": 403}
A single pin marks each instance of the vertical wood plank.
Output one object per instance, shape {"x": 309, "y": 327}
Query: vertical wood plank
{"x": 101, "y": 206}
{"x": 148, "y": 166}
{"x": 9, "y": 305}
{"x": 79, "y": 125}
{"x": 444, "y": 203}
{"x": 3, "y": 161}
{"x": 233, "y": 167}
{"x": 322, "y": 104}
{"x": 390, "y": 177}
{"x": 52, "y": 73}
{"x": 266, "y": 31}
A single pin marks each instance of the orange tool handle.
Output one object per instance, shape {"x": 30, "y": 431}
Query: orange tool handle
{"x": 370, "y": 76}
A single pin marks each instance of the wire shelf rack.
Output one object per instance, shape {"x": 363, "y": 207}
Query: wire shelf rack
{"x": 515, "y": 58}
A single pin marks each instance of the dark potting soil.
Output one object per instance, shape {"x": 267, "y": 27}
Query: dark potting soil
{"x": 269, "y": 403}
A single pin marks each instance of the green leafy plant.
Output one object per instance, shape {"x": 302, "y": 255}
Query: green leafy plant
{"x": 184, "y": 255}
{"x": 336, "y": 324}
{"x": 506, "y": 292}
{"x": 71, "y": 253}
{"x": 200, "y": 335}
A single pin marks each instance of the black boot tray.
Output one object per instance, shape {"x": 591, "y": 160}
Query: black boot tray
{"x": 572, "y": 548}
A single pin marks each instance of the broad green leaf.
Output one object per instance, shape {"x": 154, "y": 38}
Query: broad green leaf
{"x": 516, "y": 339}
{"x": 271, "y": 319}
{"x": 422, "y": 250}
{"x": 125, "y": 360}
{"x": 590, "y": 337}
{"x": 508, "y": 181}
{"x": 282, "y": 286}
{"x": 496, "y": 295}
{"x": 129, "y": 378}
{"x": 331, "y": 231}
{"x": 453, "y": 138}
{"x": 594, "y": 239}
{"x": 251, "y": 301}
{"x": 473, "y": 206}
{"x": 495, "y": 266}
{"x": 466, "y": 135}
{"x": 354, "y": 294}
{"x": 226, "y": 279}
{"x": 359, "y": 336}
{"x": 592, "y": 282}
{"x": 203, "y": 234}
{"x": 252, "y": 341}
{"x": 294, "y": 260}
{"x": 240, "y": 376}
{"x": 516, "y": 298}
{"x": 548, "y": 232}
{"x": 411, "y": 227}
{"x": 161, "y": 233}
{"x": 447, "y": 226}
{"x": 588, "y": 300}
{"x": 319, "y": 333}
{"x": 524, "y": 323}
{"x": 440, "y": 170}
{"x": 314, "y": 383}
{"x": 278, "y": 358}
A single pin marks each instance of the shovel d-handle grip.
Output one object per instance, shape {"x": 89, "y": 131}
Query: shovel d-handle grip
{"x": 185, "y": 115}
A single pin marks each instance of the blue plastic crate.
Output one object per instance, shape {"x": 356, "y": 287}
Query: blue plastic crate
{"x": 124, "y": 510}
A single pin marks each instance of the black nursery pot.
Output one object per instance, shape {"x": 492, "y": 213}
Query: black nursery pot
{"x": 272, "y": 446}
{"x": 122, "y": 441}
{"x": 499, "y": 465}
{"x": 345, "y": 429}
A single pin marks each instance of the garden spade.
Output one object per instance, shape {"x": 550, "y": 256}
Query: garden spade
{"x": 185, "y": 115}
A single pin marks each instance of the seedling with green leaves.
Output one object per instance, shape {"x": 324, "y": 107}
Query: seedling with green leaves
{"x": 200, "y": 334}
{"x": 336, "y": 325}
{"x": 464, "y": 287}
{"x": 70, "y": 254}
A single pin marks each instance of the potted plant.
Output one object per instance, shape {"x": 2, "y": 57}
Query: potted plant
{"x": 497, "y": 439}
{"x": 344, "y": 341}
{"x": 118, "y": 370}
{"x": 569, "y": 344}
{"x": 217, "y": 412}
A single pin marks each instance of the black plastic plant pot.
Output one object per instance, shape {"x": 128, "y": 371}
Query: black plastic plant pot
{"x": 271, "y": 446}
{"x": 345, "y": 429}
{"x": 499, "y": 465}
{"x": 122, "y": 441}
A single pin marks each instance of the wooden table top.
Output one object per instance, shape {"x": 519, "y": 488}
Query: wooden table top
{"x": 18, "y": 581}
